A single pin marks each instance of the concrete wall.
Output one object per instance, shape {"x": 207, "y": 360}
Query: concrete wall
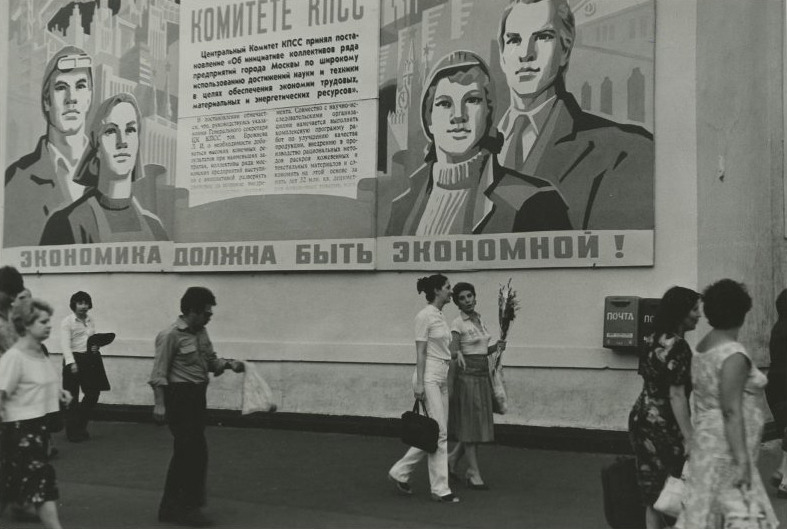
{"x": 740, "y": 148}
{"x": 341, "y": 343}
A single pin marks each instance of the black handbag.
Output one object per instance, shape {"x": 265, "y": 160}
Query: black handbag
{"x": 92, "y": 375}
{"x": 420, "y": 431}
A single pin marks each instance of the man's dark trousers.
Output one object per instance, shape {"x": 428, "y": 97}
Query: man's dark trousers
{"x": 186, "y": 414}
{"x": 78, "y": 412}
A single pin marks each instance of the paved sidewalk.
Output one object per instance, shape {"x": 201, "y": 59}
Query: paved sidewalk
{"x": 261, "y": 478}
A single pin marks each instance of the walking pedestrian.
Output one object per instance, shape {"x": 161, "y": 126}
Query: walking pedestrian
{"x": 430, "y": 385}
{"x": 727, "y": 418}
{"x": 470, "y": 419}
{"x": 659, "y": 423}
{"x": 29, "y": 390}
{"x": 776, "y": 390}
{"x": 184, "y": 357}
{"x": 11, "y": 285}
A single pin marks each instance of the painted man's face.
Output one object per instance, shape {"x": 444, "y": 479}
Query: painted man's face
{"x": 70, "y": 94}
{"x": 532, "y": 54}
{"x": 459, "y": 118}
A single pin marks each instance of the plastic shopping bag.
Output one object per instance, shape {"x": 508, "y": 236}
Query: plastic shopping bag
{"x": 499, "y": 398}
{"x": 257, "y": 394}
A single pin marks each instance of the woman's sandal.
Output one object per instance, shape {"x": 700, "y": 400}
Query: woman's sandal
{"x": 475, "y": 486}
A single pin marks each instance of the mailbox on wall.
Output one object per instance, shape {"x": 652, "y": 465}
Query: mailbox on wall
{"x": 627, "y": 321}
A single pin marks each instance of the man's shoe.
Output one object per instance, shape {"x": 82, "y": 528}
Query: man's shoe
{"x": 447, "y": 498}
{"x": 402, "y": 487}
{"x": 194, "y": 518}
{"x": 168, "y": 515}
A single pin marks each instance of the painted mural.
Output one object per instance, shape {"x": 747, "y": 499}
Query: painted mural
{"x": 516, "y": 118}
{"x": 146, "y": 135}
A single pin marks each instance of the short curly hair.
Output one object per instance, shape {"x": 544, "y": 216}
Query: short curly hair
{"x": 726, "y": 303}
{"x": 459, "y": 288}
{"x": 80, "y": 296}
{"x": 26, "y": 312}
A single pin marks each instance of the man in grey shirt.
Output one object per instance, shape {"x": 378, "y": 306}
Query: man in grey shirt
{"x": 184, "y": 357}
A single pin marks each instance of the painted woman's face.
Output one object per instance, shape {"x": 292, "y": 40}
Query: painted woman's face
{"x": 459, "y": 118}
{"x": 119, "y": 141}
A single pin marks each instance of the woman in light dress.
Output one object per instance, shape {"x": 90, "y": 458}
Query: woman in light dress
{"x": 726, "y": 415}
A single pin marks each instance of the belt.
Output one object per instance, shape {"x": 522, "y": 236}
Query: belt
{"x": 441, "y": 360}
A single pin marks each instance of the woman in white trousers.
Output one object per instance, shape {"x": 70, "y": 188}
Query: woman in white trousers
{"x": 430, "y": 385}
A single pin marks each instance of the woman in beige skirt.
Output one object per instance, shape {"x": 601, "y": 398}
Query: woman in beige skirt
{"x": 470, "y": 410}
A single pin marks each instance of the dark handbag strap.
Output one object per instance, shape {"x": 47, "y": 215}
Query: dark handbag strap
{"x": 423, "y": 407}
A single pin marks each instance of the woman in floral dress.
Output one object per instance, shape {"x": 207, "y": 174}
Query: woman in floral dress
{"x": 29, "y": 390}
{"x": 728, "y": 420}
{"x": 659, "y": 423}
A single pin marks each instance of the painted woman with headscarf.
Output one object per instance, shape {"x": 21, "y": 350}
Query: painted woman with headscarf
{"x": 108, "y": 211}
{"x": 462, "y": 189}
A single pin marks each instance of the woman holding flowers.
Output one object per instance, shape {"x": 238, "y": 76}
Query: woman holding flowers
{"x": 659, "y": 423}
{"x": 430, "y": 385}
{"x": 470, "y": 410}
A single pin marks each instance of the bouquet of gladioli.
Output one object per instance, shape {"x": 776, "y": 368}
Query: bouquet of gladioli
{"x": 507, "y": 305}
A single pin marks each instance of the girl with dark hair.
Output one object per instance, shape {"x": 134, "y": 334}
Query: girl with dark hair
{"x": 727, "y": 417}
{"x": 659, "y": 423}
{"x": 776, "y": 390}
{"x": 79, "y": 366}
{"x": 462, "y": 189}
{"x": 430, "y": 385}
{"x": 470, "y": 418}
{"x": 29, "y": 390}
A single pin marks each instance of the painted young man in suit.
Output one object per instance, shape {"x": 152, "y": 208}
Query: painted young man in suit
{"x": 41, "y": 182}
{"x": 603, "y": 169}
